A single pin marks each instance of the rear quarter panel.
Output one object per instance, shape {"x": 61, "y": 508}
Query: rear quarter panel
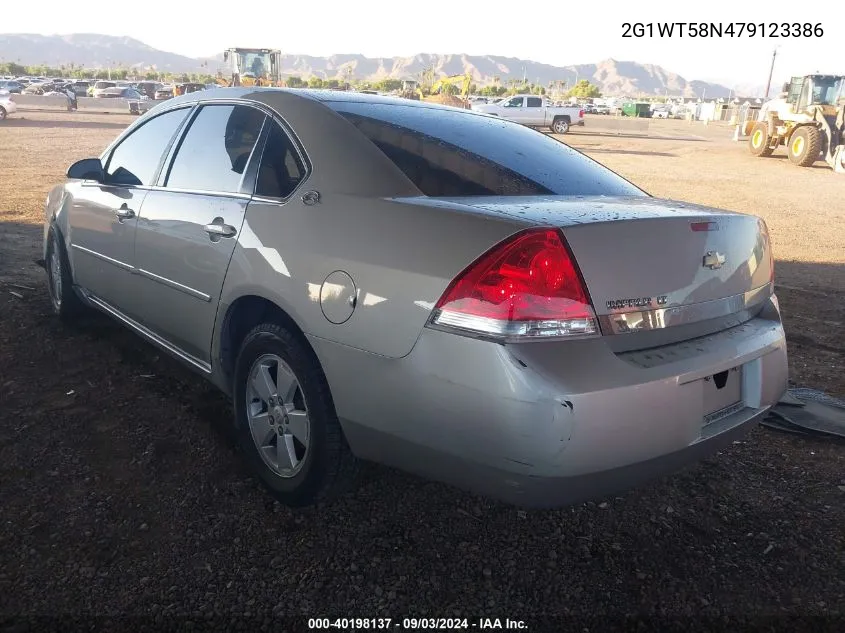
{"x": 401, "y": 256}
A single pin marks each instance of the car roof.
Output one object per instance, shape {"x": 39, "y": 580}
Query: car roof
{"x": 266, "y": 95}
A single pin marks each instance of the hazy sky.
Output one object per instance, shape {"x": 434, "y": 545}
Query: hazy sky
{"x": 560, "y": 33}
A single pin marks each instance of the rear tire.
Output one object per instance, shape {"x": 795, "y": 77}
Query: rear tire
{"x": 2, "y": 113}
{"x": 560, "y": 126}
{"x": 759, "y": 141}
{"x": 805, "y": 146}
{"x": 66, "y": 305}
{"x": 291, "y": 438}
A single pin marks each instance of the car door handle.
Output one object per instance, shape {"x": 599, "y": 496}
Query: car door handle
{"x": 124, "y": 212}
{"x": 220, "y": 230}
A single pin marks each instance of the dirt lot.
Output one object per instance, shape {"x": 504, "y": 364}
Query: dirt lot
{"x": 121, "y": 490}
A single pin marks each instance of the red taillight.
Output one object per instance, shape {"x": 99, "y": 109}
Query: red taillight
{"x": 527, "y": 286}
{"x": 581, "y": 114}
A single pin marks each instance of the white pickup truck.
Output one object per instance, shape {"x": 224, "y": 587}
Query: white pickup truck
{"x": 534, "y": 111}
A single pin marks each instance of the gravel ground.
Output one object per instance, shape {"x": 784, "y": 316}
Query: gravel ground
{"x": 121, "y": 493}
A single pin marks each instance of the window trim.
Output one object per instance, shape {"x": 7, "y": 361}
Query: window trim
{"x": 164, "y": 173}
{"x": 248, "y": 182}
{"x": 108, "y": 154}
{"x": 269, "y": 122}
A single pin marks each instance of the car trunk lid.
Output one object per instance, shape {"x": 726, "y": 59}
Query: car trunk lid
{"x": 651, "y": 265}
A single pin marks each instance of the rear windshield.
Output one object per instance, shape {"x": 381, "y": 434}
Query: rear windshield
{"x": 454, "y": 153}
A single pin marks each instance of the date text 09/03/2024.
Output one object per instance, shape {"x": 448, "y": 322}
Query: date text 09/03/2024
{"x": 718, "y": 29}
{"x": 415, "y": 624}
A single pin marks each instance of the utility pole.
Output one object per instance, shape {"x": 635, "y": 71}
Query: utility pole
{"x": 771, "y": 71}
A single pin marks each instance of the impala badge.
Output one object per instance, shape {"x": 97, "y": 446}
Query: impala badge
{"x": 713, "y": 260}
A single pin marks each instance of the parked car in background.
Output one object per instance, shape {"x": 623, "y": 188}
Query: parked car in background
{"x": 38, "y": 88}
{"x": 449, "y": 293}
{"x": 118, "y": 93}
{"x": 7, "y": 106}
{"x": 660, "y": 113}
{"x": 165, "y": 91}
{"x": 11, "y": 86}
{"x": 148, "y": 88}
{"x": 80, "y": 88}
{"x": 534, "y": 111}
{"x": 98, "y": 88}
{"x": 601, "y": 109}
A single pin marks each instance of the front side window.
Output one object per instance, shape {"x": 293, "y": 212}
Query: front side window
{"x": 448, "y": 152}
{"x": 516, "y": 102}
{"x": 216, "y": 148}
{"x": 135, "y": 160}
{"x": 281, "y": 168}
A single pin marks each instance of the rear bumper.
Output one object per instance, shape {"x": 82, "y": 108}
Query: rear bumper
{"x": 10, "y": 106}
{"x": 548, "y": 424}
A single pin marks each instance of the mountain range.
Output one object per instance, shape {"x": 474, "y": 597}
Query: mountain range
{"x": 613, "y": 77}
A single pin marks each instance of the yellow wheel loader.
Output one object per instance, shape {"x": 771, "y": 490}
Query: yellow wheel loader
{"x": 808, "y": 118}
{"x": 251, "y": 67}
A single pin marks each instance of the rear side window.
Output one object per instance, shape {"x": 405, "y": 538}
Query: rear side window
{"x": 135, "y": 160}
{"x": 281, "y": 168}
{"x": 535, "y": 102}
{"x": 454, "y": 153}
{"x": 216, "y": 148}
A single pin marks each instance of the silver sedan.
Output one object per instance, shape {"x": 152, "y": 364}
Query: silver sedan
{"x": 426, "y": 287}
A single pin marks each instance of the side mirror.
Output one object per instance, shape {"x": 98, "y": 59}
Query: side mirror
{"x": 87, "y": 169}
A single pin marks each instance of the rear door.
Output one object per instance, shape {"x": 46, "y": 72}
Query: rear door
{"x": 103, "y": 217}
{"x": 535, "y": 113}
{"x": 189, "y": 225}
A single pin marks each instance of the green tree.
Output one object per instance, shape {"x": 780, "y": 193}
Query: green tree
{"x": 315, "y": 82}
{"x": 294, "y": 81}
{"x": 584, "y": 90}
{"x": 388, "y": 85}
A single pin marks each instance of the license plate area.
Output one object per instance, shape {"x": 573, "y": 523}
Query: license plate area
{"x": 722, "y": 395}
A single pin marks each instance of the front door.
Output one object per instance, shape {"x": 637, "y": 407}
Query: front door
{"x": 104, "y": 216}
{"x": 188, "y": 228}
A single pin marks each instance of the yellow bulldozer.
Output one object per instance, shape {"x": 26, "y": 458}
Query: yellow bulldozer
{"x": 452, "y": 91}
{"x": 808, "y": 118}
{"x": 251, "y": 67}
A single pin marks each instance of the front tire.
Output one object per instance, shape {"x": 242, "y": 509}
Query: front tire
{"x": 805, "y": 146}
{"x": 66, "y": 305}
{"x": 759, "y": 141}
{"x": 286, "y": 423}
{"x": 560, "y": 126}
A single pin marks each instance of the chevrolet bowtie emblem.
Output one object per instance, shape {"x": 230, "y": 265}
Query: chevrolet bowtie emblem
{"x": 713, "y": 260}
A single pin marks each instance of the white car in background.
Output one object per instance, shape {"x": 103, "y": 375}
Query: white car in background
{"x": 7, "y": 106}
{"x": 535, "y": 111}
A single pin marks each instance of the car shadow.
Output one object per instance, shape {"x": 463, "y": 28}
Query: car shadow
{"x": 819, "y": 164}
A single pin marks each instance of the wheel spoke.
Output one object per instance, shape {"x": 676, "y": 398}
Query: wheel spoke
{"x": 298, "y": 426}
{"x": 286, "y": 383}
{"x": 262, "y": 433}
{"x": 263, "y": 383}
{"x": 286, "y": 453}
